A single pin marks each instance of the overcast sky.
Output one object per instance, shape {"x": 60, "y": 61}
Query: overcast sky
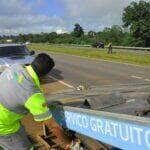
{"x": 35, "y": 16}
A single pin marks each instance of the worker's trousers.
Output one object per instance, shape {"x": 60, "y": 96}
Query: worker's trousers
{"x": 16, "y": 141}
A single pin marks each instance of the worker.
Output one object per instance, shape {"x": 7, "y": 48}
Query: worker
{"x": 20, "y": 92}
{"x": 110, "y": 48}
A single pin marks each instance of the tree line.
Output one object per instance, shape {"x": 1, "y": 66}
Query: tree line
{"x": 134, "y": 32}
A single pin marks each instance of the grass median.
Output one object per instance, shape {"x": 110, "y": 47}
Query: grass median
{"x": 119, "y": 56}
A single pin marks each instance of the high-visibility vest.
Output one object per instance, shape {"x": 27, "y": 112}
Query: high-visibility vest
{"x": 19, "y": 93}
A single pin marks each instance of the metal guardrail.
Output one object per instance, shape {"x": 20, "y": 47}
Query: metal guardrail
{"x": 115, "y": 47}
{"x": 131, "y": 48}
{"x": 118, "y": 130}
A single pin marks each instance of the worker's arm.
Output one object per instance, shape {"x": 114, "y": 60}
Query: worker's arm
{"x": 37, "y": 106}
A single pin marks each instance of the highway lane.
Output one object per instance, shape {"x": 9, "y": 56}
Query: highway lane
{"x": 75, "y": 71}
{"x": 129, "y": 81}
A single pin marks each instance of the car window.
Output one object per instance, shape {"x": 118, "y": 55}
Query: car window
{"x": 13, "y": 51}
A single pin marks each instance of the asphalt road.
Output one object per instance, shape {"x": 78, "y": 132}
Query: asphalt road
{"x": 131, "y": 82}
{"x": 75, "y": 71}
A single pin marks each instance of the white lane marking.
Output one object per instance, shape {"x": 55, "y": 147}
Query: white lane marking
{"x": 136, "y": 77}
{"x": 66, "y": 84}
{"x": 147, "y": 79}
{"x": 140, "y": 78}
{"x": 130, "y": 100}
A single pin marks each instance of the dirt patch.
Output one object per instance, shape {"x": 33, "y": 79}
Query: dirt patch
{"x": 32, "y": 128}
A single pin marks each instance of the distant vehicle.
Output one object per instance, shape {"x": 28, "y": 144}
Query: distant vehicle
{"x": 14, "y": 53}
{"x": 98, "y": 45}
{"x": 101, "y": 45}
{"x": 9, "y": 40}
{"x": 27, "y": 43}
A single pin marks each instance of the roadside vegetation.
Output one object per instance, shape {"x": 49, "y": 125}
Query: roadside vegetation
{"x": 119, "y": 56}
{"x": 135, "y": 31}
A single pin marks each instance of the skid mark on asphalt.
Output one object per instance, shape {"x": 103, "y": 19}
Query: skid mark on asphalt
{"x": 62, "y": 82}
{"x": 137, "y": 77}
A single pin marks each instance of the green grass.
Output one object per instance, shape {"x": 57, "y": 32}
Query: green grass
{"x": 119, "y": 56}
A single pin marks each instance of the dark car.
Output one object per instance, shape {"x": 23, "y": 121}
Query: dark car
{"x": 98, "y": 45}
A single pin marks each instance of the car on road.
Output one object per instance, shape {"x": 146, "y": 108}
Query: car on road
{"x": 14, "y": 54}
{"x": 98, "y": 44}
